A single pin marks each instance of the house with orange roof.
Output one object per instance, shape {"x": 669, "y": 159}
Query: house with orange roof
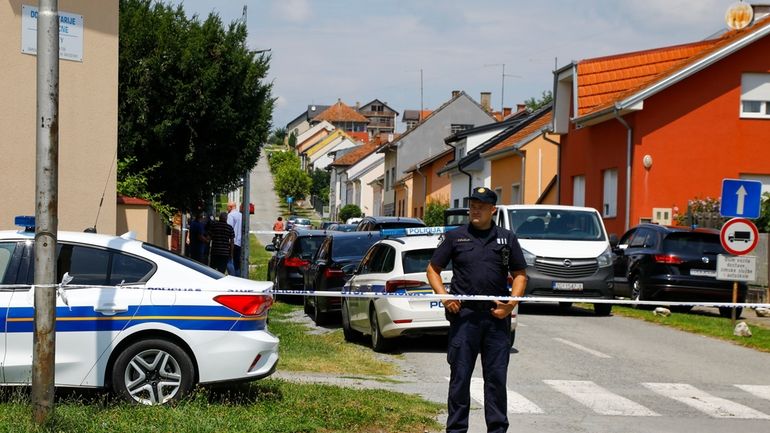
{"x": 312, "y": 135}
{"x": 644, "y": 132}
{"x": 353, "y": 179}
{"x": 522, "y": 166}
{"x": 317, "y": 154}
{"x": 345, "y": 118}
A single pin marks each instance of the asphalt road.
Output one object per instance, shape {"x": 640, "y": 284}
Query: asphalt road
{"x": 264, "y": 199}
{"x": 581, "y": 373}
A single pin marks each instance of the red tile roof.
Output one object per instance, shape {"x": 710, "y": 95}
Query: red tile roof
{"x": 362, "y": 136}
{"x": 523, "y": 133}
{"x": 340, "y": 112}
{"x": 603, "y": 81}
{"x": 132, "y": 201}
{"x": 357, "y": 154}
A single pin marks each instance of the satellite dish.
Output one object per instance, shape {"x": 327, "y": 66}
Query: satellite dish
{"x": 739, "y": 15}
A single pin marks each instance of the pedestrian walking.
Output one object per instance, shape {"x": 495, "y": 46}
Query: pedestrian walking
{"x": 234, "y": 219}
{"x": 278, "y": 227}
{"x": 482, "y": 256}
{"x": 198, "y": 238}
{"x": 222, "y": 240}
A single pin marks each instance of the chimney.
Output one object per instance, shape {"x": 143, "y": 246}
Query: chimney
{"x": 520, "y": 107}
{"x": 760, "y": 11}
{"x": 486, "y": 101}
{"x": 506, "y": 112}
{"x": 358, "y": 105}
{"x": 455, "y": 93}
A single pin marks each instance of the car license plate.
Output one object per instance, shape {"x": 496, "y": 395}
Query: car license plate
{"x": 703, "y": 272}
{"x": 558, "y": 285}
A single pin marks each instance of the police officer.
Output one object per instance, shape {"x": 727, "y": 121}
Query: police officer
{"x": 482, "y": 255}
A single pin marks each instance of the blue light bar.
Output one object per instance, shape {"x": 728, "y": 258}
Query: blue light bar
{"x": 415, "y": 231}
{"x": 25, "y": 221}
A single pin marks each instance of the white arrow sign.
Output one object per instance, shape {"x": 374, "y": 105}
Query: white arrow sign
{"x": 741, "y": 193}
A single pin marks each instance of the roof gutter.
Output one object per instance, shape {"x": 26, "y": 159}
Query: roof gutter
{"x": 460, "y": 167}
{"x": 558, "y": 164}
{"x": 629, "y": 144}
{"x": 424, "y": 180}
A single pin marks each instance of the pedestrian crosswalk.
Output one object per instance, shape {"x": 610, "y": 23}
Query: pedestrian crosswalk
{"x": 669, "y": 399}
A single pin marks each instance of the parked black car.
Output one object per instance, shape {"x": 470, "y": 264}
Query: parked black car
{"x": 376, "y": 223}
{"x": 343, "y": 227}
{"x": 296, "y": 250}
{"x": 665, "y": 263}
{"x": 334, "y": 263}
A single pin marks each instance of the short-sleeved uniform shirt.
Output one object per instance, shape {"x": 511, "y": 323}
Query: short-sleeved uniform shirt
{"x": 477, "y": 258}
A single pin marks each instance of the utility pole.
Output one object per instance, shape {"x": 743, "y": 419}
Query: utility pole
{"x": 46, "y": 210}
{"x": 419, "y": 117}
{"x": 502, "y": 79}
{"x": 245, "y": 235}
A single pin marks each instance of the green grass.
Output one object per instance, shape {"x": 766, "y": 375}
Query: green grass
{"x": 258, "y": 259}
{"x": 324, "y": 353}
{"x": 711, "y": 326}
{"x": 265, "y": 406}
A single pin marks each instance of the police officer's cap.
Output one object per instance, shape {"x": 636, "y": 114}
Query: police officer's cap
{"x": 485, "y": 195}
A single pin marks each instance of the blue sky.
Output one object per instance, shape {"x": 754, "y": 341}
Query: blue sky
{"x": 358, "y": 50}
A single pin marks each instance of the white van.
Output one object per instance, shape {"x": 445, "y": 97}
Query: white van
{"x": 567, "y": 251}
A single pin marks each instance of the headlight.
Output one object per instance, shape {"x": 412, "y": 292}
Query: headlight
{"x": 528, "y": 257}
{"x": 605, "y": 258}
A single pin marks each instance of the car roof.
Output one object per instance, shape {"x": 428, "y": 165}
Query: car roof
{"x": 336, "y": 234}
{"x": 546, "y": 206}
{"x": 390, "y": 219}
{"x": 678, "y": 229}
{"x": 100, "y": 240}
{"x": 305, "y": 233}
{"x": 406, "y": 243}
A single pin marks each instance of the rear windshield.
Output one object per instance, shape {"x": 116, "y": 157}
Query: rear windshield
{"x": 456, "y": 220}
{"x": 417, "y": 260}
{"x": 688, "y": 243}
{"x": 558, "y": 224}
{"x": 302, "y": 221}
{"x": 354, "y": 247}
{"x": 184, "y": 261}
{"x": 306, "y": 246}
{"x": 399, "y": 225}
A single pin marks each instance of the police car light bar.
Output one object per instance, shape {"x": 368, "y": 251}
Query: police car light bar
{"x": 25, "y": 221}
{"x": 415, "y": 231}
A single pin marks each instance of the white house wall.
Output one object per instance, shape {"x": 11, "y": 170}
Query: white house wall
{"x": 363, "y": 173}
{"x": 322, "y": 158}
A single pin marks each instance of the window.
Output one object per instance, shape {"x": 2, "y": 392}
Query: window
{"x": 578, "y": 190}
{"x": 458, "y": 127}
{"x": 6, "y": 253}
{"x": 610, "y": 199}
{"x": 461, "y": 151}
{"x": 387, "y": 180}
{"x": 457, "y": 202}
{"x": 499, "y": 192}
{"x": 755, "y": 96}
{"x": 516, "y": 193}
{"x": 127, "y": 269}
{"x": 392, "y": 177}
{"x": 100, "y": 267}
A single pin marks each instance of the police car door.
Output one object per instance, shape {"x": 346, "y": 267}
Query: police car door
{"x": 88, "y": 319}
{"x": 8, "y": 260}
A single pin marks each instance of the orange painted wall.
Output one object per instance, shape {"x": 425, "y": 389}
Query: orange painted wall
{"x": 539, "y": 172}
{"x": 693, "y": 132}
{"x": 505, "y": 172}
{"x": 439, "y": 187}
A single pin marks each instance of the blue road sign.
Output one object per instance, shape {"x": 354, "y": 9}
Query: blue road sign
{"x": 289, "y": 199}
{"x": 741, "y": 198}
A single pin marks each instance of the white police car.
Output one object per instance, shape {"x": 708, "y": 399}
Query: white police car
{"x": 159, "y": 324}
{"x": 397, "y": 264}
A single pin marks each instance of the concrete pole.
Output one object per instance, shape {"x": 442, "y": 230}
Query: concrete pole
{"x": 245, "y": 237}
{"x": 46, "y": 210}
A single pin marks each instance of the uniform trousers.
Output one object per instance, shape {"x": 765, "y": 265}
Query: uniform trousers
{"x": 474, "y": 331}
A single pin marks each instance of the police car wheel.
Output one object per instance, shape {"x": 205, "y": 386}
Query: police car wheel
{"x": 379, "y": 342}
{"x": 153, "y": 372}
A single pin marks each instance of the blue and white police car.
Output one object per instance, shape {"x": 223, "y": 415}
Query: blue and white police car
{"x": 397, "y": 264}
{"x": 137, "y": 319}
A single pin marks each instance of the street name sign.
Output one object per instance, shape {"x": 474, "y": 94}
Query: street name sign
{"x": 740, "y": 198}
{"x": 739, "y": 236}
{"x": 732, "y": 268}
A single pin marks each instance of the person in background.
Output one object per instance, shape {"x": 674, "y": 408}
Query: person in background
{"x": 222, "y": 243}
{"x": 234, "y": 220}
{"x": 198, "y": 238}
{"x": 278, "y": 227}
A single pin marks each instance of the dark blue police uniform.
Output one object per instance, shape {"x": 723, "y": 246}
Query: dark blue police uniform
{"x": 481, "y": 260}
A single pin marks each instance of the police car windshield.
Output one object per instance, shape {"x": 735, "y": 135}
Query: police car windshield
{"x": 184, "y": 261}
{"x": 556, "y": 224}
{"x": 417, "y": 260}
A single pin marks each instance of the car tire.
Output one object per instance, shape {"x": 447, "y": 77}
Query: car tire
{"x": 380, "y": 344}
{"x": 350, "y": 334}
{"x": 602, "y": 309}
{"x": 153, "y": 372}
{"x": 306, "y": 306}
{"x": 320, "y": 317}
{"x": 638, "y": 293}
{"x": 727, "y": 312}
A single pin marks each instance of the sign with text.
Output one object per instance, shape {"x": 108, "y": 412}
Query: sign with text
{"x": 70, "y": 34}
{"x": 731, "y": 268}
{"x": 740, "y": 198}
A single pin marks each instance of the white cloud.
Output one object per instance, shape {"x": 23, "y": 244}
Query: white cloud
{"x": 296, "y": 11}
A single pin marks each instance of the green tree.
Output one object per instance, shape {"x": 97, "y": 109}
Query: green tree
{"x": 192, "y": 106}
{"x": 281, "y": 158}
{"x": 291, "y": 181}
{"x": 320, "y": 188}
{"x": 349, "y": 211}
{"x": 134, "y": 184}
{"x": 292, "y": 140}
{"x": 763, "y": 223}
{"x": 434, "y": 213}
{"x": 535, "y": 104}
{"x": 278, "y": 136}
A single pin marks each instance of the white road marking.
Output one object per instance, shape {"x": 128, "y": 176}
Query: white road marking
{"x": 761, "y": 391}
{"x": 599, "y": 399}
{"x": 517, "y": 403}
{"x": 595, "y": 353}
{"x": 713, "y": 406}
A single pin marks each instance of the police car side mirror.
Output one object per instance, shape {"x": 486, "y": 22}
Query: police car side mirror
{"x": 270, "y": 247}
